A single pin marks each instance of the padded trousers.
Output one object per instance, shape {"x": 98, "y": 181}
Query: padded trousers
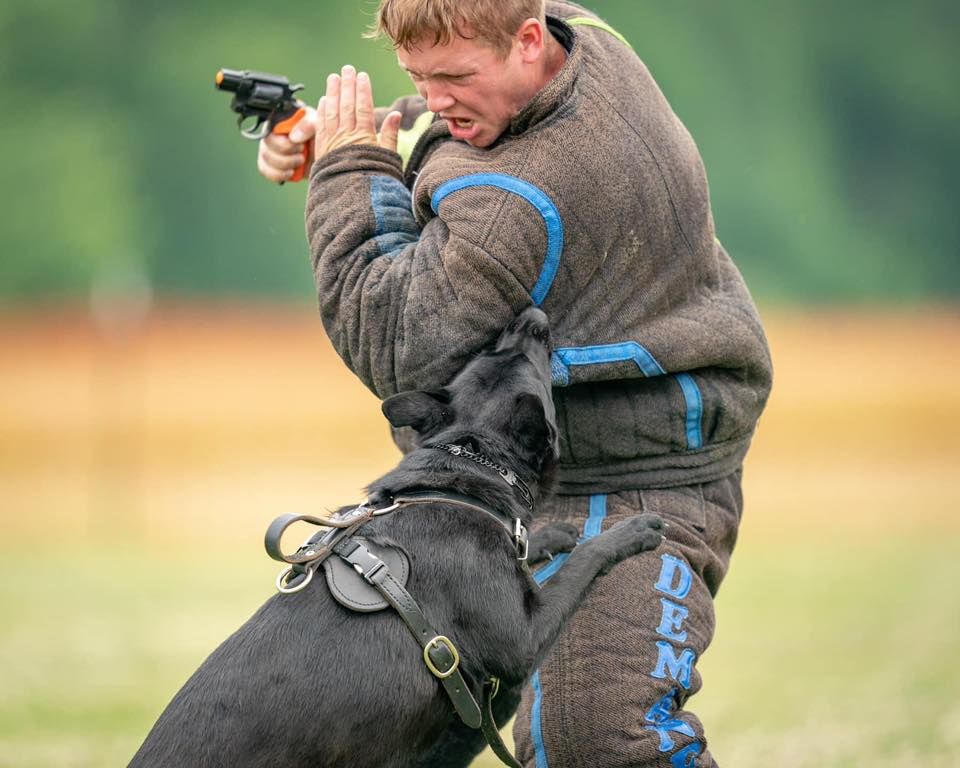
{"x": 613, "y": 691}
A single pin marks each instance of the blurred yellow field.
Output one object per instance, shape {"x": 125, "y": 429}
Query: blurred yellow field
{"x": 140, "y": 464}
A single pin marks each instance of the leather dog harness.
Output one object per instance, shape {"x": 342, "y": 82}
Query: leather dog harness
{"x": 367, "y": 577}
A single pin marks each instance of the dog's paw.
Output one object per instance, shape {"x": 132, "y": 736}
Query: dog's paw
{"x": 634, "y": 535}
{"x": 551, "y": 540}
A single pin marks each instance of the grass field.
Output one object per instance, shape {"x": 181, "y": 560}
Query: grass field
{"x": 140, "y": 465}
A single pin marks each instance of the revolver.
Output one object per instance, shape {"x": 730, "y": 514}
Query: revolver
{"x": 265, "y": 104}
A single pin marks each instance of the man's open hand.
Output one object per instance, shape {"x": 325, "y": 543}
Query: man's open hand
{"x": 343, "y": 117}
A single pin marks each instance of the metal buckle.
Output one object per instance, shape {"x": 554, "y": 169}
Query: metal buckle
{"x": 437, "y": 641}
{"x": 521, "y": 540}
{"x": 368, "y": 575}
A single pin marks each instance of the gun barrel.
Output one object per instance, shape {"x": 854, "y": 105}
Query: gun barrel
{"x": 230, "y": 79}
{"x": 241, "y": 80}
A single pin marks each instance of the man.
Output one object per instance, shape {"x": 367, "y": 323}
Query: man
{"x": 553, "y": 172}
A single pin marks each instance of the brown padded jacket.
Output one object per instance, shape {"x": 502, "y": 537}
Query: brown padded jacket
{"x": 592, "y": 205}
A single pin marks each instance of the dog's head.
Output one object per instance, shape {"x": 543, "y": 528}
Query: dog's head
{"x": 500, "y": 403}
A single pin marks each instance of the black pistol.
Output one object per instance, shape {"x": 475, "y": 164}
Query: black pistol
{"x": 265, "y": 104}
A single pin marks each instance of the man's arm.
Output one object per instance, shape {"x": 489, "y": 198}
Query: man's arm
{"x": 404, "y": 306}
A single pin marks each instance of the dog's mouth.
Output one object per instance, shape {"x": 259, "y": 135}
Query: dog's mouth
{"x": 532, "y": 324}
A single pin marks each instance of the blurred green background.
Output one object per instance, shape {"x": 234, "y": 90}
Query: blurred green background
{"x": 166, "y": 388}
{"x": 829, "y": 131}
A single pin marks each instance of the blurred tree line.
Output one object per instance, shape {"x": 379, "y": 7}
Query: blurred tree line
{"x": 829, "y": 130}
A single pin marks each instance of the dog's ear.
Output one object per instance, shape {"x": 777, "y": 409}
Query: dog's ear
{"x": 425, "y": 411}
{"x": 532, "y": 427}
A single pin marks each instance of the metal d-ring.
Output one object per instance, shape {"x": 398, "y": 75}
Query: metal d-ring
{"x": 290, "y": 590}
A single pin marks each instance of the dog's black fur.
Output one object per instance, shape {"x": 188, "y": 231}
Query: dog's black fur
{"x": 307, "y": 682}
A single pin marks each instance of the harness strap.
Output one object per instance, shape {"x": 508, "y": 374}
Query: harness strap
{"x": 489, "y": 726}
{"x": 346, "y": 526}
{"x": 518, "y": 532}
{"x": 454, "y": 498}
{"x": 310, "y": 556}
{"x": 349, "y": 524}
{"x": 439, "y": 653}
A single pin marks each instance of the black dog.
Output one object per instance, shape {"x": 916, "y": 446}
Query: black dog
{"x": 309, "y": 682}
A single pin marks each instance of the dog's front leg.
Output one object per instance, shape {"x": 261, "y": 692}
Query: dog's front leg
{"x": 550, "y": 540}
{"x": 561, "y": 596}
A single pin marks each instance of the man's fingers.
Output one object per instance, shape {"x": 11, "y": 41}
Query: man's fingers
{"x": 266, "y": 168}
{"x": 365, "y": 118}
{"x": 348, "y": 98}
{"x": 277, "y": 157}
{"x": 305, "y": 128}
{"x": 279, "y": 144}
{"x": 282, "y": 155}
{"x": 320, "y": 137}
{"x": 389, "y": 131}
{"x": 345, "y": 113}
{"x": 331, "y": 106}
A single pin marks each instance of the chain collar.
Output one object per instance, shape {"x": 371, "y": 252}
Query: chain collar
{"x": 508, "y": 475}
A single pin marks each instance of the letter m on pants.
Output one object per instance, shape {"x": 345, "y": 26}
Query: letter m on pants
{"x": 667, "y": 661}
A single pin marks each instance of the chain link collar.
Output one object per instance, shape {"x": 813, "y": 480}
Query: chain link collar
{"x": 508, "y": 475}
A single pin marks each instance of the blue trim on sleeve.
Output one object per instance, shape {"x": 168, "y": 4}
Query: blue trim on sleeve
{"x": 564, "y": 358}
{"x": 691, "y": 393}
{"x": 396, "y": 227}
{"x": 533, "y": 195}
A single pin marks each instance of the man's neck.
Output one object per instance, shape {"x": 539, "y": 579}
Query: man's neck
{"x": 555, "y": 58}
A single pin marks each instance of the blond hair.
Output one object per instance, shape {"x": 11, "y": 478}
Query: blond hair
{"x": 409, "y": 23}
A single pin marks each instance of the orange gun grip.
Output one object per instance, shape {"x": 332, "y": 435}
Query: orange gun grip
{"x": 284, "y": 127}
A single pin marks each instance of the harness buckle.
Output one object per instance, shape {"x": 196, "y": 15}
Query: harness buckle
{"x": 521, "y": 540}
{"x": 436, "y": 642}
{"x": 374, "y": 570}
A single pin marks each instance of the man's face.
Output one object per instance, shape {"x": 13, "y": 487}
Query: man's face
{"x": 474, "y": 88}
